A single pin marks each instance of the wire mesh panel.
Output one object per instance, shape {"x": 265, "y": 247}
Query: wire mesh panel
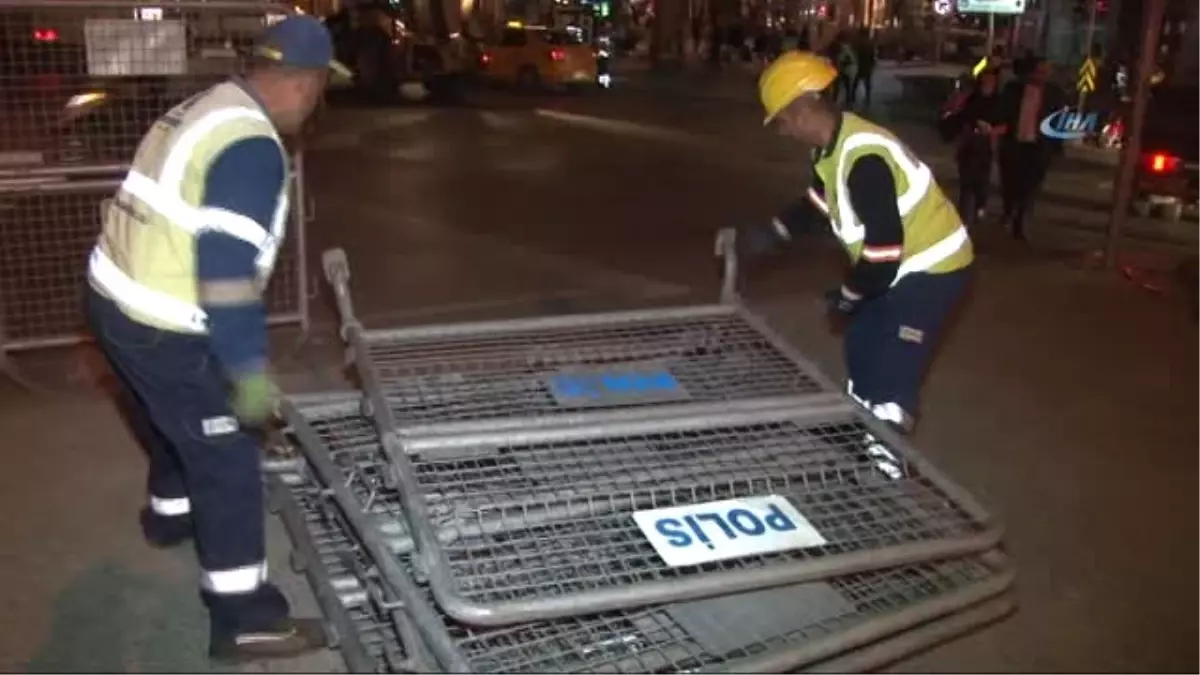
{"x": 777, "y": 629}
{"x": 80, "y": 83}
{"x": 339, "y": 571}
{"x": 774, "y": 630}
{"x": 523, "y": 369}
{"x": 553, "y": 522}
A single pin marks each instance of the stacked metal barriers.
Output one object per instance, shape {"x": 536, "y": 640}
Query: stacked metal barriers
{"x": 667, "y": 491}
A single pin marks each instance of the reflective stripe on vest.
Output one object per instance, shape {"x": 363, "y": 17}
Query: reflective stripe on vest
{"x": 164, "y": 197}
{"x": 944, "y": 248}
{"x": 919, "y": 178}
{"x": 113, "y": 281}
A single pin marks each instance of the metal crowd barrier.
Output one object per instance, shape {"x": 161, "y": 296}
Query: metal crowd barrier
{"x": 731, "y": 466}
{"x": 80, "y": 83}
{"x": 339, "y": 508}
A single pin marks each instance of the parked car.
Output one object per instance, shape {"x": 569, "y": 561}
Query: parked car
{"x": 1168, "y": 175}
{"x": 532, "y": 57}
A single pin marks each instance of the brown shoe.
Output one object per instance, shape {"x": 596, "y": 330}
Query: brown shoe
{"x": 292, "y": 637}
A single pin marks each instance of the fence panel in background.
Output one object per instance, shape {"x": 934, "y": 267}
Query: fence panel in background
{"x": 80, "y": 83}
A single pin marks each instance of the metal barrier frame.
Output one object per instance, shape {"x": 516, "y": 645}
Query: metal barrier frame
{"x": 362, "y": 338}
{"x": 282, "y": 482}
{"x": 109, "y": 176}
{"x": 345, "y": 636}
{"x": 874, "y": 642}
{"x": 398, "y": 442}
{"x": 890, "y": 650}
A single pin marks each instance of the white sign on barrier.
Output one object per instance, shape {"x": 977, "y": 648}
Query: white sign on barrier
{"x": 732, "y": 528}
{"x": 148, "y": 14}
{"x": 117, "y": 47}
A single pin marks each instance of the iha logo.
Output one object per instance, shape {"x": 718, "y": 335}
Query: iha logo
{"x": 1068, "y": 125}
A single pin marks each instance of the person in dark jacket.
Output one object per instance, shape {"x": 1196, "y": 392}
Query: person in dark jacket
{"x": 865, "y": 50}
{"x": 804, "y": 43}
{"x": 981, "y": 122}
{"x": 1025, "y": 153}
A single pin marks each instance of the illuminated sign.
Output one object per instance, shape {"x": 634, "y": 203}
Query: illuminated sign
{"x": 991, "y": 6}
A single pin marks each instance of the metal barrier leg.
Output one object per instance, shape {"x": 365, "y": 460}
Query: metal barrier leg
{"x": 337, "y": 273}
{"x": 8, "y": 367}
{"x": 344, "y": 636}
{"x": 389, "y": 568}
{"x": 725, "y": 248}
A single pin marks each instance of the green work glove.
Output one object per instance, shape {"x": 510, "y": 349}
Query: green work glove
{"x": 253, "y": 398}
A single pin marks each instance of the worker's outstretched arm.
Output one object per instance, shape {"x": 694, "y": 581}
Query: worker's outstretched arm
{"x": 794, "y": 221}
{"x": 873, "y": 196}
{"x": 240, "y": 197}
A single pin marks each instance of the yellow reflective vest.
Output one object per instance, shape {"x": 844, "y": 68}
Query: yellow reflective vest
{"x": 145, "y": 258}
{"x": 935, "y": 240}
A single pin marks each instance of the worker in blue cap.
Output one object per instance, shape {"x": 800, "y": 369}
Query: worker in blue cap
{"x": 187, "y": 246}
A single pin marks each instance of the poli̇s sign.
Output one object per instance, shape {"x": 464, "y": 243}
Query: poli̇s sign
{"x": 1068, "y": 125}
{"x": 732, "y": 528}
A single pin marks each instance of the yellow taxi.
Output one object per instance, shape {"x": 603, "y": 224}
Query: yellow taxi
{"x": 535, "y": 56}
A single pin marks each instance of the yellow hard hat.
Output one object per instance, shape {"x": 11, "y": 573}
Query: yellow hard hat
{"x": 791, "y": 76}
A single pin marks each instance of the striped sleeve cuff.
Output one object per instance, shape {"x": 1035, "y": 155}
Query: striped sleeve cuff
{"x": 882, "y": 253}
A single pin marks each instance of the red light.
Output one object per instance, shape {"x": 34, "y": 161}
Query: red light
{"x": 1163, "y": 163}
{"x": 557, "y": 55}
{"x": 45, "y": 35}
{"x": 485, "y": 58}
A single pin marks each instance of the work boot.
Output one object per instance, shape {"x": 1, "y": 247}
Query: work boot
{"x": 165, "y": 531}
{"x": 286, "y": 638}
{"x": 258, "y": 625}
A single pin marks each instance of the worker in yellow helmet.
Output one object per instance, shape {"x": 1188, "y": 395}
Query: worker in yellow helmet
{"x": 175, "y": 285}
{"x": 910, "y": 251}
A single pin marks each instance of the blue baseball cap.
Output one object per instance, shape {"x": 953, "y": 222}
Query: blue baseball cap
{"x": 300, "y": 41}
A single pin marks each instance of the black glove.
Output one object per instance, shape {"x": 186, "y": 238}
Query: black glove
{"x": 758, "y": 241}
{"x": 839, "y": 300}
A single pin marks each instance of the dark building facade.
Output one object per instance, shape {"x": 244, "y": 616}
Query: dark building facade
{"x": 1177, "y": 48}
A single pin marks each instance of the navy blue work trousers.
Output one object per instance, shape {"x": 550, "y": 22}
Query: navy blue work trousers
{"x": 889, "y": 342}
{"x": 176, "y": 402}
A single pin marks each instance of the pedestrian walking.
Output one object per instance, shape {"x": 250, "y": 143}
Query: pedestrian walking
{"x": 866, "y": 52}
{"x": 847, "y": 68}
{"x": 980, "y": 122}
{"x": 1025, "y": 153}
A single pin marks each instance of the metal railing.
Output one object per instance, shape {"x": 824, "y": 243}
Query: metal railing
{"x": 80, "y": 83}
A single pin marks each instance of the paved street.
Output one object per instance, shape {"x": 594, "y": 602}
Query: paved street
{"x": 1064, "y": 398}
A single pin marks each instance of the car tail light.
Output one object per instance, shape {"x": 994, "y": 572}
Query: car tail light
{"x": 557, "y": 55}
{"x": 45, "y": 35}
{"x": 1161, "y": 162}
{"x": 485, "y": 58}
